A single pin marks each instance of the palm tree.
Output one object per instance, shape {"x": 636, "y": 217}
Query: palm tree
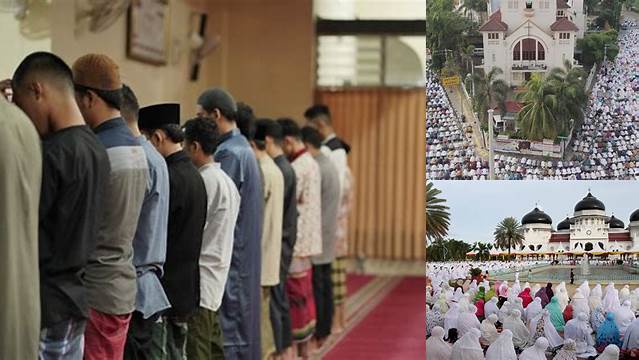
{"x": 536, "y": 119}
{"x": 568, "y": 86}
{"x": 466, "y": 54}
{"x": 489, "y": 89}
{"x": 483, "y": 250}
{"x": 437, "y": 214}
{"x": 437, "y": 251}
{"x": 508, "y": 234}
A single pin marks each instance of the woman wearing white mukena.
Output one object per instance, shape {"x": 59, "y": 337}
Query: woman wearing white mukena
{"x": 502, "y": 348}
{"x": 468, "y": 347}
{"x": 535, "y": 352}
{"x": 436, "y": 347}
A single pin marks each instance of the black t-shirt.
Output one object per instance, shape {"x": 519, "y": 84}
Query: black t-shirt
{"x": 75, "y": 171}
{"x": 187, "y": 216}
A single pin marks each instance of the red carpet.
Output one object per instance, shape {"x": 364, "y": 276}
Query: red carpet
{"x": 354, "y": 282}
{"x": 392, "y": 330}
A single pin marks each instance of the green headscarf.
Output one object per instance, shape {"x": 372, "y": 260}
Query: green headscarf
{"x": 489, "y": 295}
{"x": 556, "y": 316}
{"x": 480, "y": 294}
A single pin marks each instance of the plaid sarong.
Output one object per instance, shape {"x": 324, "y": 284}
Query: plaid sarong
{"x": 338, "y": 276}
{"x": 62, "y": 341}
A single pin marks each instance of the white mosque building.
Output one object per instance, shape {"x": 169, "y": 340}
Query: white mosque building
{"x": 523, "y": 37}
{"x": 590, "y": 230}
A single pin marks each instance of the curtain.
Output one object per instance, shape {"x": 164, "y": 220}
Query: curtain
{"x": 386, "y": 129}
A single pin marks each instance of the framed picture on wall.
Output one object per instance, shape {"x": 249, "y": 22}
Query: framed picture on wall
{"x": 148, "y": 31}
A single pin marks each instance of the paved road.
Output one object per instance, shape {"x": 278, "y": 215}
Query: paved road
{"x": 454, "y": 94}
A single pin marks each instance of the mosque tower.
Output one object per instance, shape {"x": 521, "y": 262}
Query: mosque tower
{"x": 590, "y": 230}
{"x": 537, "y": 231}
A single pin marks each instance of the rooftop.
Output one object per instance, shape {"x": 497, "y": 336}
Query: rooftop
{"x": 494, "y": 23}
{"x": 563, "y": 24}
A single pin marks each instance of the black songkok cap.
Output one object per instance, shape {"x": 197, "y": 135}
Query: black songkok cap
{"x": 157, "y": 116}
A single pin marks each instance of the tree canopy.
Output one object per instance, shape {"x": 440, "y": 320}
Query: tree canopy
{"x": 593, "y": 47}
{"x": 437, "y": 214}
{"x": 447, "y": 31}
{"x": 509, "y": 234}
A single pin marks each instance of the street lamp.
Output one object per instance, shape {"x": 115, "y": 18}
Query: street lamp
{"x": 491, "y": 155}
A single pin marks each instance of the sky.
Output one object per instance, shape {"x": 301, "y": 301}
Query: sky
{"x": 476, "y": 207}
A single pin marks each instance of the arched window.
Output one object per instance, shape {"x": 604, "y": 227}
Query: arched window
{"x": 529, "y": 49}
{"x": 588, "y": 247}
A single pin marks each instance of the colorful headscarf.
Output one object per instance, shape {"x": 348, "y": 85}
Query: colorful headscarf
{"x": 608, "y": 333}
{"x": 490, "y": 294}
{"x": 556, "y": 316}
{"x": 568, "y": 313}
{"x": 543, "y": 295}
{"x": 480, "y": 295}
{"x": 525, "y": 297}
{"x": 597, "y": 317}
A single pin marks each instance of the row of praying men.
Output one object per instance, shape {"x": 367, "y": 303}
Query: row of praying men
{"x": 124, "y": 234}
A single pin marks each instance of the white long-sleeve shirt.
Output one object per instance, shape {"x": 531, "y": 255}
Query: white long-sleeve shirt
{"x": 223, "y": 206}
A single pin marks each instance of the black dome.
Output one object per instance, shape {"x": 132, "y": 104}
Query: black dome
{"x": 590, "y": 203}
{"x": 615, "y": 223}
{"x": 564, "y": 225}
{"x": 634, "y": 216}
{"x": 536, "y": 217}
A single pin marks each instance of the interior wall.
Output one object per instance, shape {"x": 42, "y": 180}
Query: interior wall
{"x": 152, "y": 84}
{"x": 267, "y": 53}
{"x": 265, "y": 56}
{"x": 385, "y": 128}
{"x": 16, "y": 45}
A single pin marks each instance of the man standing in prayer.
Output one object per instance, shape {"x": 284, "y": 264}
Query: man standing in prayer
{"x": 271, "y": 133}
{"x": 110, "y": 276}
{"x": 240, "y": 311}
{"x": 322, "y": 285}
{"x": 205, "y": 339}
{"x": 20, "y": 175}
{"x": 144, "y": 340}
{"x": 273, "y": 181}
{"x": 187, "y": 216}
{"x": 319, "y": 116}
{"x": 299, "y": 285}
{"x": 75, "y": 168}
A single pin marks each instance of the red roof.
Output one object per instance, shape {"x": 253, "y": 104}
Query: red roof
{"x": 559, "y": 237}
{"x": 623, "y": 236}
{"x": 563, "y": 24}
{"x": 511, "y": 107}
{"x": 562, "y": 4}
{"x": 494, "y": 23}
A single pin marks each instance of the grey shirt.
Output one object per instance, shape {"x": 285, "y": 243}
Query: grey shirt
{"x": 110, "y": 276}
{"x": 330, "y": 205}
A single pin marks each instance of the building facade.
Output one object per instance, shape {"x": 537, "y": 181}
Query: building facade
{"x": 590, "y": 230}
{"x": 523, "y": 37}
